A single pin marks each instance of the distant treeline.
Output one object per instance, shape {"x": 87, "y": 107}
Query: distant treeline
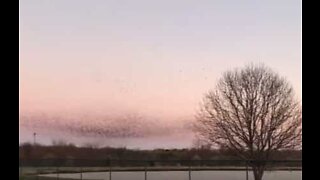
{"x": 69, "y": 151}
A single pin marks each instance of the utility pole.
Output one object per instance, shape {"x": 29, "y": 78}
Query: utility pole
{"x": 34, "y": 138}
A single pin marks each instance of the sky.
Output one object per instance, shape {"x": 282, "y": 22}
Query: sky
{"x": 95, "y": 63}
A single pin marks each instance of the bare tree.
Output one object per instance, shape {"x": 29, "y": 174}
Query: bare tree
{"x": 253, "y": 112}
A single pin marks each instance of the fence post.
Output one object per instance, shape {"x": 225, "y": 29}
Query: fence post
{"x": 57, "y": 173}
{"x": 110, "y": 171}
{"x": 37, "y": 174}
{"x": 247, "y": 173}
{"x": 189, "y": 172}
{"x": 81, "y": 173}
{"x": 145, "y": 172}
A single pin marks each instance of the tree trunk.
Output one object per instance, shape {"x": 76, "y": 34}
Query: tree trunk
{"x": 258, "y": 172}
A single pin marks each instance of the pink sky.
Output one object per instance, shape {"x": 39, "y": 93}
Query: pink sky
{"x": 108, "y": 58}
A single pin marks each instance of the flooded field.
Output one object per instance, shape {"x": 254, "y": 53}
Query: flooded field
{"x": 181, "y": 175}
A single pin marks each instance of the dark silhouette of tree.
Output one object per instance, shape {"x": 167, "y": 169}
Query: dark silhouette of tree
{"x": 253, "y": 112}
